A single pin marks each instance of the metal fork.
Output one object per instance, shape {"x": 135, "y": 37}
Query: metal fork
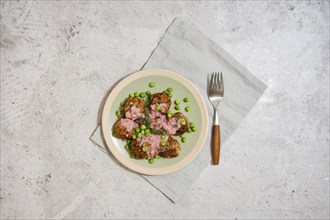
{"x": 215, "y": 93}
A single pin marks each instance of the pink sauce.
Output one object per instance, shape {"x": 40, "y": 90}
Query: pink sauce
{"x": 171, "y": 126}
{"x": 160, "y": 121}
{"x": 129, "y": 124}
{"x": 134, "y": 113}
{"x": 154, "y": 143}
{"x": 163, "y": 109}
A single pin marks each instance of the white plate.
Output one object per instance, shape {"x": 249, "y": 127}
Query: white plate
{"x": 138, "y": 82}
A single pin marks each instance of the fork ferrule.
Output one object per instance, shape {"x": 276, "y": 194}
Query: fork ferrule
{"x": 216, "y": 117}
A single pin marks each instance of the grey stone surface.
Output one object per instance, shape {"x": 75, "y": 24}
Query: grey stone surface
{"x": 58, "y": 60}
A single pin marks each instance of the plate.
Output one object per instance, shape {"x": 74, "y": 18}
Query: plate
{"x": 163, "y": 79}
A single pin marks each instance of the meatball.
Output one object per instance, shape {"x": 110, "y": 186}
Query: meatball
{"x": 134, "y": 108}
{"x": 184, "y": 128}
{"x": 124, "y": 128}
{"x": 162, "y": 99}
{"x": 136, "y": 150}
{"x": 171, "y": 150}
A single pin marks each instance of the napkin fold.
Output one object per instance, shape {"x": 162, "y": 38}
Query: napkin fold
{"x": 186, "y": 50}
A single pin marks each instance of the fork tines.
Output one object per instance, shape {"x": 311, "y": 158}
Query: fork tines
{"x": 216, "y": 81}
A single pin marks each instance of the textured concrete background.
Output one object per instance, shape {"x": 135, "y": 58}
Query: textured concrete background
{"x": 58, "y": 59}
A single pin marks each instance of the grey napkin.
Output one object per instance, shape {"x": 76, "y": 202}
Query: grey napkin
{"x": 186, "y": 50}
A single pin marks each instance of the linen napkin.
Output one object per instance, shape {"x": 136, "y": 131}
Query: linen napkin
{"x": 185, "y": 49}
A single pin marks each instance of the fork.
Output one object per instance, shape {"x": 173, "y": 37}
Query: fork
{"x": 215, "y": 93}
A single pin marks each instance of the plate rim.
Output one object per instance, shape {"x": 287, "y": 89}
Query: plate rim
{"x": 106, "y": 116}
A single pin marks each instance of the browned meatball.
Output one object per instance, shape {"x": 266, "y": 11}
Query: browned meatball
{"x": 136, "y": 150}
{"x": 137, "y": 102}
{"x": 124, "y": 128}
{"x": 171, "y": 150}
{"x": 184, "y": 128}
{"x": 161, "y": 98}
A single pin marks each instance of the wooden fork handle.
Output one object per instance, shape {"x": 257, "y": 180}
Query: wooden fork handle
{"x": 216, "y": 144}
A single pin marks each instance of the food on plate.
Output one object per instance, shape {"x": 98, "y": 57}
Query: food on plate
{"x": 184, "y": 123}
{"x": 137, "y": 151}
{"x": 161, "y": 101}
{"x": 171, "y": 150}
{"x": 149, "y": 127}
{"x": 124, "y": 128}
{"x": 134, "y": 108}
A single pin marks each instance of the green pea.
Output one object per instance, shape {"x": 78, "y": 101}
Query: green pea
{"x": 192, "y": 124}
{"x": 136, "y": 94}
{"x": 126, "y": 147}
{"x": 187, "y": 99}
{"x": 177, "y": 107}
{"x": 128, "y": 141}
{"x": 151, "y": 161}
{"x": 158, "y": 156}
{"x": 137, "y": 130}
{"x": 170, "y": 94}
{"x": 194, "y": 129}
{"x": 184, "y": 140}
{"x": 134, "y": 136}
{"x": 183, "y": 122}
{"x": 189, "y": 130}
{"x": 131, "y": 156}
{"x": 169, "y": 89}
{"x": 163, "y": 136}
{"x": 131, "y": 95}
{"x": 187, "y": 109}
{"x": 147, "y": 131}
{"x": 142, "y": 94}
{"x": 148, "y": 158}
{"x": 182, "y": 135}
{"x": 118, "y": 112}
{"x": 139, "y": 135}
{"x": 142, "y": 132}
{"x": 163, "y": 143}
{"x": 169, "y": 115}
{"x": 177, "y": 102}
{"x": 143, "y": 127}
{"x": 144, "y": 148}
{"x": 148, "y": 92}
{"x": 152, "y": 84}
{"x": 122, "y": 103}
{"x": 159, "y": 107}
